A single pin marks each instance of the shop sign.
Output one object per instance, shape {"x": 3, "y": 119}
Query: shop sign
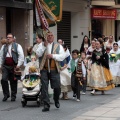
{"x": 103, "y": 13}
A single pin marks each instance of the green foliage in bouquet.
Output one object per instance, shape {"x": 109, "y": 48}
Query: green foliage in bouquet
{"x": 114, "y": 57}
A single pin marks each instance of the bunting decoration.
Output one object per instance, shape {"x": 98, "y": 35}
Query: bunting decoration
{"x": 46, "y": 13}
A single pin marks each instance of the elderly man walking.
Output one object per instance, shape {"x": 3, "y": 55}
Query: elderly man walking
{"x": 50, "y": 54}
{"x": 11, "y": 58}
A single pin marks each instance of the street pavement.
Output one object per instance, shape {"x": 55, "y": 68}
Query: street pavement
{"x": 97, "y": 107}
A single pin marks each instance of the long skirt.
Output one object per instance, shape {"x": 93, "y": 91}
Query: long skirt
{"x": 116, "y": 80}
{"x": 100, "y": 78}
{"x": 115, "y": 70}
{"x": 65, "y": 78}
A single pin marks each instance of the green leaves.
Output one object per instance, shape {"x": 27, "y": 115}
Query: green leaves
{"x": 114, "y": 57}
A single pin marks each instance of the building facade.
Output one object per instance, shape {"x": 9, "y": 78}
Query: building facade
{"x": 16, "y": 17}
{"x": 75, "y": 23}
{"x": 107, "y": 25}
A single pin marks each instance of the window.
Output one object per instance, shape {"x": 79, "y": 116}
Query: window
{"x": 117, "y": 1}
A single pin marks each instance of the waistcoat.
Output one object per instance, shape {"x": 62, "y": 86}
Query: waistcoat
{"x": 13, "y": 52}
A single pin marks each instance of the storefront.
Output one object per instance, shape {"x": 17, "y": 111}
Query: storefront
{"x": 103, "y": 22}
{"x": 16, "y": 18}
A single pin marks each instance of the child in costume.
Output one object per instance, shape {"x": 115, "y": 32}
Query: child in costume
{"x": 32, "y": 76}
{"x": 33, "y": 62}
{"x": 85, "y": 62}
{"x": 78, "y": 71}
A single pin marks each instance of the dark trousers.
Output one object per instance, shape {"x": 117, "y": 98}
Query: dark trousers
{"x": 75, "y": 86}
{"x": 8, "y": 74}
{"x": 83, "y": 87}
{"x": 54, "y": 78}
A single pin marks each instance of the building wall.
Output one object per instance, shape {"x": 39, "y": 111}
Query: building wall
{"x": 30, "y": 26}
{"x": 3, "y": 22}
{"x": 80, "y": 28}
{"x": 80, "y": 21}
{"x": 22, "y": 27}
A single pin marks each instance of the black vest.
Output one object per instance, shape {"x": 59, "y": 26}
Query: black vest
{"x": 13, "y": 52}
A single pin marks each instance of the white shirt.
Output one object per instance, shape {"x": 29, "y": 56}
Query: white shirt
{"x": 9, "y": 54}
{"x": 57, "y": 57}
{"x": 35, "y": 47}
{"x": 67, "y": 53}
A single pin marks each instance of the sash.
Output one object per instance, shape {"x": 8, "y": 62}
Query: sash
{"x": 44, "y": 58}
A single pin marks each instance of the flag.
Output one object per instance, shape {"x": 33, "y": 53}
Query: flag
{"x": 56, "y": 7}
{"x": 46, "y": 13}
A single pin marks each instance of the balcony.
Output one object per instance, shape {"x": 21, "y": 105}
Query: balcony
{"x": 23, "y": 4}
{"x": 103, "y": 2}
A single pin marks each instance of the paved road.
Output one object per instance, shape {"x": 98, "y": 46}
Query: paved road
{"x": 69, "y": 109}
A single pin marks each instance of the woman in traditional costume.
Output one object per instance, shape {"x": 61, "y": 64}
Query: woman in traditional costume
{"x": 89, "y": 56}
{"x": 39, "y": 42}
{"x": 114, "y": 57}
{"x": 65, "y": 76}
{"x": 109, "y": 44}
{"x": 85, "y": 44}
{"x": 91, "y": 49}
{"x": 100, "y": 77}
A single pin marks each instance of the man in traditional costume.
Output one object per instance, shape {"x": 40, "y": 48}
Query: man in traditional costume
{"x": 49, "y": 54}
{"x": 11, "y": 58}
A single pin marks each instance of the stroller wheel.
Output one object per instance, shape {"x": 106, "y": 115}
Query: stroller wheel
{"x": 38, "y": 102}
{"x": 24, "y": 102}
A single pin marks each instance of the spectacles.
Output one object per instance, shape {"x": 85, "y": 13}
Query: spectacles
{"x": 9, "y": 37}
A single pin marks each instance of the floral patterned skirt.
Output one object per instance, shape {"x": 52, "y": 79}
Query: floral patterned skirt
{"x": 100, "y": 78}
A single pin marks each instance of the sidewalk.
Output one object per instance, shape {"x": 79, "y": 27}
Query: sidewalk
{"x": 109, "y": 111}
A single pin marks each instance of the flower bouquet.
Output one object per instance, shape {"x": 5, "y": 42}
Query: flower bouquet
{"x": 114, "y": 57}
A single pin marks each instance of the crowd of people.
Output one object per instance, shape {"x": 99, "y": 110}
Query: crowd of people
{"x": 96, "y": 65}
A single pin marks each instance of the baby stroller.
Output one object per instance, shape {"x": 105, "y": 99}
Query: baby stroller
{"x": 31, "y": 87}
